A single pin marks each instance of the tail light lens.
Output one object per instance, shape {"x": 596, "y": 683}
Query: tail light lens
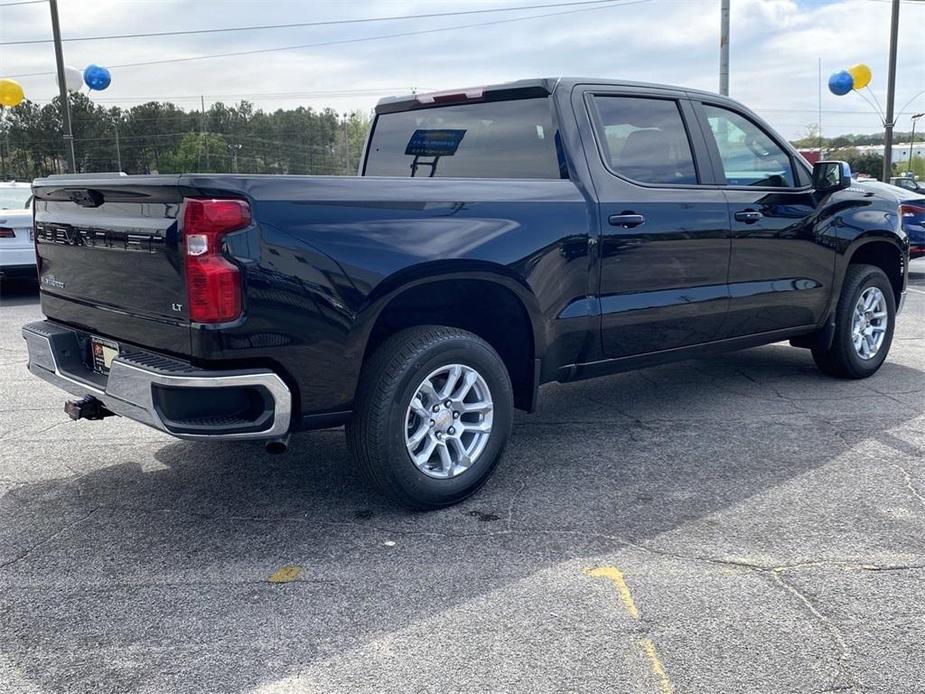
{"x": 213, "y": 284}
{"x": 7, "y": 233}
{"x": 912, "y": 214}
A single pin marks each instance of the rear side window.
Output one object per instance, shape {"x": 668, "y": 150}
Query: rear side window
{"x": 645, "y": 139}
{"x": 750, "y": 157}
{"x": 499, "y": 139}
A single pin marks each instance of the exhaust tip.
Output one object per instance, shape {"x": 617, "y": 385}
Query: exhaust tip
{"x": 277, "y": 446}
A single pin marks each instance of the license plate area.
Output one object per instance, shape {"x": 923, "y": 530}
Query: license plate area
{"x": 102, "y": 352}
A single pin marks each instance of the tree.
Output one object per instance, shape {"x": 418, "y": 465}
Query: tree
{"x": 810, "y": 138}
{"x": 197, "y": 153}
{"x": 869, "y": 163}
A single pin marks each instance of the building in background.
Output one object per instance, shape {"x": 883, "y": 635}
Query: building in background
{"x": 900, "y": 151}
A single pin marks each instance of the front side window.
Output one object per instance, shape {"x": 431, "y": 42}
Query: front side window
{"x": 645, "y": 139}
{"x": 498, "y": 139}
{"x": 750, "y": 157}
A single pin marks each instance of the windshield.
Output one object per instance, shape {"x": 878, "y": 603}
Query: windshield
{"x": 14, "y": 198}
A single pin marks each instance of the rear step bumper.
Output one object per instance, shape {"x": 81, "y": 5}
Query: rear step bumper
{"x": 165, "y": 393}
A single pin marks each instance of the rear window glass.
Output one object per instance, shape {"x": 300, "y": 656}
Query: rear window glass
{"x": 14, "y": 198}
{"x": 500, "y": 139}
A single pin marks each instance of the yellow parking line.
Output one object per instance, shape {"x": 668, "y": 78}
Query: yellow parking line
{"x": 615, "y": 576}
{"x": 286, "y": 574}
{"x": 655, "y": 665}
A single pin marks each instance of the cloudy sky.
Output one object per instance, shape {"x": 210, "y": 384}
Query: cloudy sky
{"x": 776, "y": 45}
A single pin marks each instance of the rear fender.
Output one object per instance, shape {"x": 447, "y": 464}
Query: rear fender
{"x": 430, "y": 273}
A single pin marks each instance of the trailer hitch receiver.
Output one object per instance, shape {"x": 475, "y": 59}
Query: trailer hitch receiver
{"x": 87, "y": 407}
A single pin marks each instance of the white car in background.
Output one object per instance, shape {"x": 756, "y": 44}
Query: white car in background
{"x": 17, "y": 250}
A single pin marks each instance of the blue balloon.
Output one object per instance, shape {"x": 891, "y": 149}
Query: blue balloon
{"x": 840, "y": 83}
{"x": 97, "y": 77}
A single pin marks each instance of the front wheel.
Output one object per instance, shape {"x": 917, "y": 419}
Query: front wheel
{"x": 432, "y": 416}
{"x": 864, "y": 321}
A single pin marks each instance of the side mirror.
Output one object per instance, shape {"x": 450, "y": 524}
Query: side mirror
{"x": 829, "y": 176}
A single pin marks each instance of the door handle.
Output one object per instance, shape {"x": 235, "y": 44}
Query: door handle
{"x": 626, "y": 220}
{"x": 748, "y": 216}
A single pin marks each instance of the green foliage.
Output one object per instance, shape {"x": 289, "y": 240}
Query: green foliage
{"x": 845, "y": 147}
{"x": 199, "y": 152}
{"x": 160, "y": 137}
{"x": 918, "y": 167}
{"x": 860, "y": 162}
{"x": 810, "y": 139}
{"x": 872, "y": 164}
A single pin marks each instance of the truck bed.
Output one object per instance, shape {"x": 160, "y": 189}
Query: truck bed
{"x": 115, "y": 269}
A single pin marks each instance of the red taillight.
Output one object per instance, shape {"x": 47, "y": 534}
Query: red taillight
{"x": 7, "y": 233}
{"x": 213, "y": 284}
{"x": 912, "y": 213}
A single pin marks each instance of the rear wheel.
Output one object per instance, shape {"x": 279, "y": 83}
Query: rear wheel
{"x": 433, "y": 414}
{"x": 864, "y": 322}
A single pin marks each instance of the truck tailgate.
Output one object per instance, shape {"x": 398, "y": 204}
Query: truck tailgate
{"x": 109, "y": 258}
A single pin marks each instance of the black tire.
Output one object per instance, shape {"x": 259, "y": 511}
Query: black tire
{"x": 842, "y": 359}
{"x": 390, "y": 378}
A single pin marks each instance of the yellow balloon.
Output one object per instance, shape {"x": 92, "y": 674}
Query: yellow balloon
{"x": 10, "y": 93}
{"x": 860, "y": 73}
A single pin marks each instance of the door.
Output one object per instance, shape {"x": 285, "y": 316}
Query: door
{"x": 781, "y": 268}
{"x": 664, "y": 246}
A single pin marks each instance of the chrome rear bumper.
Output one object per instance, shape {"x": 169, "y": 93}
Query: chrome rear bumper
{"x": 136, "y": 379}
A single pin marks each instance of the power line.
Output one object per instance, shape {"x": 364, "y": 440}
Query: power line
{"x": 307, "y": 94}
{"x": 24, "y": 2}
{"x": 605, "y": 4}
{"x": 290, "y": 25}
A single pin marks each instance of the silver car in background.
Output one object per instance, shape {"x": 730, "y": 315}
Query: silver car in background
{"x": 17, "y": 250}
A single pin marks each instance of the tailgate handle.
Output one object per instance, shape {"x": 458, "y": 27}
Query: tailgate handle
{"x": 86, "y": 197}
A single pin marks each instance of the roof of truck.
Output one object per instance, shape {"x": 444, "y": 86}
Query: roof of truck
{"x": 541, "y": 86}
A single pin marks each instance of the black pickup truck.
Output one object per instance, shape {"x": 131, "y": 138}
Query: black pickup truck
{"x": 496, "y": 239}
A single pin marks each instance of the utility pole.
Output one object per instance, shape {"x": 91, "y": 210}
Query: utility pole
{"x": 118, "y": 150}
{"x": 6, "y": 141}
{"x": 912, "y": 144}
{"x": 890, "y": 96}
{"x": 62, "y": 88}
{"x": 819, "y": 124}
{"x": 724, "y": 48}
{"x": 346, "y": 150}
{"x": 234, "y": 157}
{"x": 202, "y": 102}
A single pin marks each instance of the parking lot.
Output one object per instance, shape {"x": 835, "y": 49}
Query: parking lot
{"x": 734, "y": 524}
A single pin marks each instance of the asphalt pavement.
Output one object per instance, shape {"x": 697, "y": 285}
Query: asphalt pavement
{"x": 734, "y": 524}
